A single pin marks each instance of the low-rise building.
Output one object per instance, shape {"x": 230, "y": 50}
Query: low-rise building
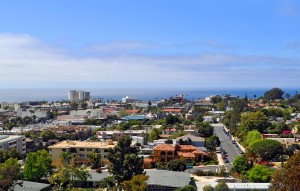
{"x": 82, "y": 149}
{"x": 8, "y": 142}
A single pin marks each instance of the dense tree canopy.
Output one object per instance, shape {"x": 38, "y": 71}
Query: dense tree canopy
{"x": 208, "y": 188}
{"x": 187, "y": 188}
{"x": 252, "y": 137}
{"x": 176, "y": 165}
{"x": 221, "y": 186}
{"x": 47, "y": 135}
{"x": 37, "y": 165}
{"x": 137, "y": 183}
{"x": 266, "y": 149}
{"x": 287, "y": 178}
{"x": 124, "y": 159}
{"x": 240, "y": 164}
{"x": 68, "y": 173}
{"x": 212, "y": 142}
{"x": 252, "y": 121}
{"x": 9, "y": 173}
{"x": 154, "y": 134}
{"x": 204, "y": 129}
{"x": 259, "y": 173}
{"x": 274, "y": 93}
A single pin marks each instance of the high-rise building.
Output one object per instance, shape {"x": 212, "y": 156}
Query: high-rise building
{"x": 75, "y": 95}
{"x": 8, "y": 142}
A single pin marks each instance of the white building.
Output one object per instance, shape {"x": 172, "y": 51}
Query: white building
{"x": 14, "y": 106}
{"x": 8, "y": 142}
{"x": 75, "y": 95}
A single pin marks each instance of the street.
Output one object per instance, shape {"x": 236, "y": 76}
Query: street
{"x": 226, "y": 145}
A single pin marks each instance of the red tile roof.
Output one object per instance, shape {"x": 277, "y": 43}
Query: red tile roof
{"x": 186, "y": 155}
{"x": 164, "y": 147}
{"x": 187, "y": 147}
{"x": 147, "y": 160}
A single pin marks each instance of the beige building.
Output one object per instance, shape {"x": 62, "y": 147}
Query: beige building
{"x": 82, "y": 149}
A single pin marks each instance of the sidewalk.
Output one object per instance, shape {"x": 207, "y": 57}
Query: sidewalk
{"x": 234, "y": 138}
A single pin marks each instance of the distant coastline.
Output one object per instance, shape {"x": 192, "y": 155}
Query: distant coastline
{"x": 20, "y": 95}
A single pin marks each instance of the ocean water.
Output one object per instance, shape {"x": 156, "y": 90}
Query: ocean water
{"x": 19, "y": 95}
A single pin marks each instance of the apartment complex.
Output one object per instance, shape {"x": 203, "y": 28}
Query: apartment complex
{"x": 8, "y": 142}
{"x": 75, "y": 95}
{"x": 82, "y": 149}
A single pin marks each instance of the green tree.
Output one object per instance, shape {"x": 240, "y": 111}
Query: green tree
{"x": 212, "y": 142}
{"x": 68, "y": 173}
{"x": 124, "y": 159}
{"x": 253, "y": 121}
{"x": 266, "y": 149}
{"x": 187, "y": 188}
{"x": 95, "y": 160}
{"x": 154, "y": 134}
{"x": 287, "y": 178}
{"x": 37, "y": 165}
{"x": 4, "y": 155}
{"x": 259, "y": 173}
{"x": 176, "y": 165}
{"x": 274, "y": 93}
{"x": 252, "y": 137}
{"x": 221, "y": 186}
{"x": 241, "y": 165}
{"x": 47, "y": 135}
{"x": 171, "y": 119}
{"x": 204, "y": 129}
{"x": 208, "y": 188}
{"x": 137, "y": 183}
{"x": 238, "y": 105}
{"x": 9, "y": 173}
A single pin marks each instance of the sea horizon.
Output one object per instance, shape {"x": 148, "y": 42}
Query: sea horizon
{"x": 145, "y": 94}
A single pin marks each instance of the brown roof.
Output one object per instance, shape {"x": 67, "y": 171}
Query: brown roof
{"x": 164, "y": 147}
{"x": 171, "y": 110}
{"x": 187, "y": 147}
{"x": 186, "y": 155}
{"x": 199, "y": 152}
{"x": 147, "y": 160}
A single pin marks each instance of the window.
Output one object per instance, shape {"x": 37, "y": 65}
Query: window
{"x": 104, "y": 156}
{"x": 81, "y": 149}
{"x": 162, "y": 153}
{"x": 98, "y": 150}
{"x": 81, "y": 155}
{"x": 105, "y": 150}
{"x": 89, "y": 149}
{"x": 63, "y": 150}
{"x": 170, "y": 153}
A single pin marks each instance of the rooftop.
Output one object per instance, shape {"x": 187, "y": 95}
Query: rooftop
{"x": 81, "y": 144}
{"x": 164, "y": 147}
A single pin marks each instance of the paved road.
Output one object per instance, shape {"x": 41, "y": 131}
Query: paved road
{"x": 226, "y": 144}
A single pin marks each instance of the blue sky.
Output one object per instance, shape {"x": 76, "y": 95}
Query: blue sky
{"x": 169, "y": 43}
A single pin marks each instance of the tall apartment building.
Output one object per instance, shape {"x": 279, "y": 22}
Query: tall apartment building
{"x": 8, "y": 142}
{"x": 82, "y": 149}
{"x": 75, "y": 95}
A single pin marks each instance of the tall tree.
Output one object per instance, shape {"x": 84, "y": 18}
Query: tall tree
{"x": 212, "y": 142}
{"x": 154, "y": 134}
{"x": 204, "y": 129}
{"x": 124, "y": 159}
{"x": 259, "y": 173}
{"x": 253, "y": 121}
{"x": 9, "y": 173}
{"x": 273, "y": 94}
{"x": 47, "y": 135}
{"x": 68, "y": 173}
{"x": 266, "y": 149}
{"x": 176, "y": 165}
{"x": 137, "y": 183}
{"x": 240, "y": 164}
{"x": 252, "y": 137}
{"x": 95, "y": 160}
{"x": 287, "y": 178}
{"x": 37, "y": 165}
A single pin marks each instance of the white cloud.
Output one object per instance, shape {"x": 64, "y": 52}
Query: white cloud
{"x": 28, "y": 62}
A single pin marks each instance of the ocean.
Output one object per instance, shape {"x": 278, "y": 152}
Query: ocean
{"x": 20, "y": 95}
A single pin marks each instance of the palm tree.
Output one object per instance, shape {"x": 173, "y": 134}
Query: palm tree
{"x": 95, "y": 160}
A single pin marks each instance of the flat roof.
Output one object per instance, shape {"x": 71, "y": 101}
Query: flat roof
{"x": 4, "y": 138}
{"x": 81, "y": 144}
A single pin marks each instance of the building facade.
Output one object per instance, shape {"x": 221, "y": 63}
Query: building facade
{"x": 75, "y": 95}
{"x": 8, "y": 142}
{"x": 82, "y": 149}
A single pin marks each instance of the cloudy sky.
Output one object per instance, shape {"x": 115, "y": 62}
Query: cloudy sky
{"x": 143, "y": 43}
